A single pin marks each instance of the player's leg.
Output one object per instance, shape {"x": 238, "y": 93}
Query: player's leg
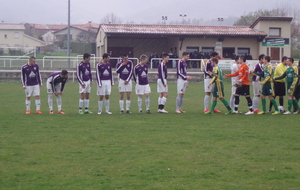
{"x": 290, "y": 105}
{"x": 50, "y": 102}
{"x": 274, "y": 104}
{"x": 100, "y": 103}
{"x": 107, "y": 94}
{"x": 36, "y": 94}
{"x": 81, "y": 99}
{"x": 140, "y": 102}
{"x": 128, "y": 102}
{"x": 27, "y": 103}
{"x": 147, "y": 102}
{"x": 207, "y": 94}
{"x": 163, "y": 102}
{"x": 121, "y": 102}
{"x": 264, "y": 105}
{"x": 159, "y": 102}
{"x": 87, "y": 103}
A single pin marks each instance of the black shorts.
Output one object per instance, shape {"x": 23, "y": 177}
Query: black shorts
{"x": 297, "y": 92}
{"x": 279, "y": 88}
{"x": 244, "y": 90}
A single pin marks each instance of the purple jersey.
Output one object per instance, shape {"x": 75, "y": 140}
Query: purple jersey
{"x": 31, "y": 75}
{"x": 125, "y": 71}
{"x": 103, "y": 72}
{"x": 208, "y": 68}
{"x": 55, "y": 79}
{"x": 162, "y": 72}
{"x": 141, "y": 74}
{"x": 83, "y": 72}
{"x": 181, "y": 69}
{"x": 257, "y": 69}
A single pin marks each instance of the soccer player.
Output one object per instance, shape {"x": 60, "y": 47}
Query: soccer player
{"x": 267, "y": 85}
{"x": 105, "y": 82}
{"x": 31, "y": 82}
{"x": 84, "y": 76}
{"x": 279, "y": 85}
{"x": 125, "y": 71}
{"x": 256, "y": 83}
{"x": 243, "y": 88}
{"x": 182, "y": 80}
{"x": 162, "y": 87}
{"x": 291, "y": 79}
{"x": 218, "y": 87}
{"x": 234, "y": 80}
{"x": 142, "y": 86}
{"x": 55, "y": 85}
{"x": 208, "y": 68}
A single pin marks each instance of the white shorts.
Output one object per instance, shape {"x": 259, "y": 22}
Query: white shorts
{"x": 256, "y": 88}
{"x": 206, "y": 83}
{"x": 233, "y": 89}
{"x": 49, "y": 87}
{"x": 142, "y": 89}
{"x": 105, "y": 89}
{"x": 160, "y": 87}
{"x": 32, "y": 90}
{"x": 87, "y": 88}
{"x": 181, "y": 86}
{"x": 125, "y": 87}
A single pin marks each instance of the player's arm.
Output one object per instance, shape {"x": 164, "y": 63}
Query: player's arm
{"x": 78, "y": 75}
{"x": 131, "y": 72}
{"x": 281, "y": 77}
{"x": 111, "y": 77}
{"x": 63, "y": 85}
{"x": 268, "y": 76}
{"x": 214, "y": 75}
{"x": 23, "y": 78}
{"x": 39, "y": 77}
{"x": 233, "y": 75}
{"x": 295, "y": 78}
{"x": 98, "y": 76}
{"x": 179, "y": 65}
{"x": 52, "y": 83}
{"x": 120, "y": 67}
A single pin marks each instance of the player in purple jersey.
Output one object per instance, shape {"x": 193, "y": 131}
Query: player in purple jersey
{"x": 105, "y": 82}
{"x": 256, "y": 86}
{"x": 182, "y": 80}
{"x": 31, "y": 82}
{"x": 84, "y": 76}
{"x": 142, "y": 86}
{"x": 162, "y": 87}
{"x": 125, "y": 70}
{"x": 55, "y": 85}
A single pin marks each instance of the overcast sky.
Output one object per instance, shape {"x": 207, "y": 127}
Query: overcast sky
{"x": 138, "y": 11}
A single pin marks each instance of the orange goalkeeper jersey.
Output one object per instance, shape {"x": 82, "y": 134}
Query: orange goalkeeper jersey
{"x": 243, "y": 74}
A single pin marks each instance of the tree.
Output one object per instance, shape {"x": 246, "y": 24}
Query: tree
{"x": 111, "y": 18}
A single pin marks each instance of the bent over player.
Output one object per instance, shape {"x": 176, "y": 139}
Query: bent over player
{"x": 55, "y": 85}
{"x": 31, "y": 82}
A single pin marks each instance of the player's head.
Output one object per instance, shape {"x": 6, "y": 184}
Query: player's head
{"x": 284, "y": 59}
{"x": 213, "y": 54}
{"x": 214, "y": 61}
{"x": 64, "y": 74}
{"x": 86, "y": 57}
{"x": 243, "y": 59}
{"x": 32, "y": 60}
{"x": 290, "y": 61}
{"x": 267, "y": 59}
{"x": 124, "y": 57}
{"x": 185, "y": 56}
{"x": 106, "y": 57}
{"x": 143, "y": 59}
{"x": 261, "y": 57}
{"x": 236, "y": 59}
{"x": 166, "y": 57}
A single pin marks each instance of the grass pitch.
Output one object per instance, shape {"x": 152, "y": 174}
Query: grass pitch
{"x": 144, "y": 151}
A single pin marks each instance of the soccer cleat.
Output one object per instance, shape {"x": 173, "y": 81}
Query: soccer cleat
{"x": 182, "y": 111}
{"x": 276, "y": 113}
{"x": 256, "y": 111}
{"x": 127, "y": 111}
{"x": 99, "y": 113}
{"x": 163, "y": 111}
{"x": 61, "y": 112}
{"x": 27, "y": 112}
{"x": 51, "y": 112}
{"x": 38, "y": 112}
{"x": 140, "y": 111}
{"x": 88, "y": 112}
{"x": 261, "y": 113}
{"x": 148, "y": 111}
{"x": 296, "y": 112}
{"x": 207, "y": 110}
{"x": 108, "y": 112}
{"x": 178, "y": 111}
{"x": 237, "y": 112}
{"x": 287, "y": 113}
{"x": 80, "y": 112}
{"x": 228, "y": 112}
{"x": 217, "y": 111}
{"x": 159, "y": 110}
{"x": 249, "y": 113}
{"x": 122, "y": 111}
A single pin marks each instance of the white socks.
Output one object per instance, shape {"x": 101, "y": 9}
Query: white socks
{"x": 147, "y": 100}
{"x": 107, "y": 105}
{"x": 27, "y": 102}
{"x": 38, "y": 104}
{"x": 58, "y": 101}
{"x": 232, "y": 101}
{"x": 128, "y": 104}
{"x": 80, "y": 103}
{"x": 100, "y": 106}
{"x": 139, "y": 103}
{"x": 121, "y": 103}
{"x": 206, "y": 101}
{"x": 163, "y": 100}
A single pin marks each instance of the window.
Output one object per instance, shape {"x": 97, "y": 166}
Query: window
{"x": 243, "y": 51}
{"x": 16, "y": 34}
{"x": 275, "y": 32}
{"x": 5, "y": 36}
{"x": 192, "y": 49}
{"x": 207, "y": 49}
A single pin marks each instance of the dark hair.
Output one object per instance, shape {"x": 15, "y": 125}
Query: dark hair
{"x": 105, "y": 55}
{"x": 243, "y": 58}
{"x": 215, "y": 60}
{"x": 185, "y": 53}
{"x": 64, "y": 72}
{"x": 236, "y": 58}
{"x": 165, "y": 55}
{"x": 143, "y": 57}
{"x": 261, "y": 56}
{"x": 284, "y": 58}
{"x": 124, "y": 55}
{"x": 32, "y": 57}
{"x": 268, "y": 58}
{"x": 86, "y": 55}
{"x": 213, "y": 54}
{"x": 291, "y": 59}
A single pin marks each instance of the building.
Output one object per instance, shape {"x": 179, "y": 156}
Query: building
{"x": 241, "y": 40}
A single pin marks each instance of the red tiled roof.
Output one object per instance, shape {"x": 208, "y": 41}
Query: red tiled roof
{"x": 180, "y": 30}
{"x": 8, "y": 26}
{"x": 271, "y": 18}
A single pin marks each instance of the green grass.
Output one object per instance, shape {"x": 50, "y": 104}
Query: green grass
{"x": 143, "y": 151}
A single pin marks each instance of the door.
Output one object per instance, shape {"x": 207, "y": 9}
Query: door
{"x": 275, "y": 53}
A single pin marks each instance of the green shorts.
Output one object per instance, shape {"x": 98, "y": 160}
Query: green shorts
{"x": 268, "y": 89}
{"x": 218, "y": 90}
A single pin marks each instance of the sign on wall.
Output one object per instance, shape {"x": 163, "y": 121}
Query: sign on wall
{"x": 276, "y": 42}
